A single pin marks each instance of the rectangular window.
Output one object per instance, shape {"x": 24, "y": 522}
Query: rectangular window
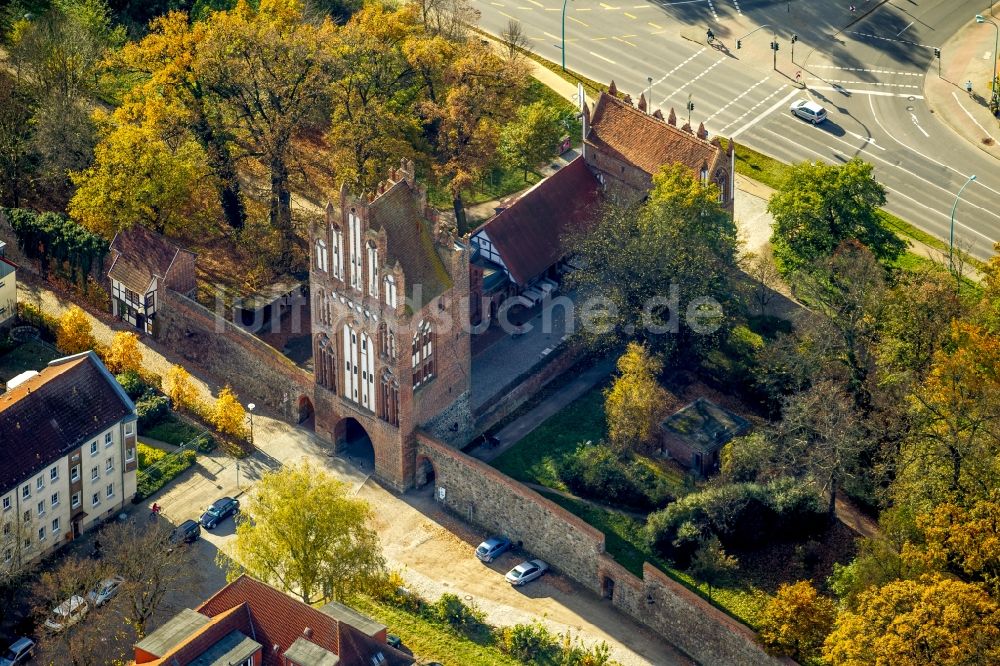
{"x": 108, "y": 440}
{"x": 74, "y": 474}
{"x": 41, "y": 533}
{"x": 109, "y": 465}
{"x": 129, "y": 454}
{"x": 41, "y": 508}
{"x": 54, "y": 474}
{"x": 95, "y": 499}
{"x": 372, "y": 271}
{"x": 39, "y": 483}
{"x": 76, "y": 500}
{"x": 54, "y": 500}
{"x": 95, "y": 473}
{"x": 110, "y": 491}
{"x": 129, "y": 427}
{"x": 93, "y": 448}
{"x": 55, "y": 526}
{"x": 26, "y": 491}
{"x": 6, "y": 503}
{"x": 150, "y": 301}
{"x": 27, "y": 516}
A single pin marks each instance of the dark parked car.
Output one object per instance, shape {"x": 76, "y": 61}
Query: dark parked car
{"x": 186, "y": 532}
{"x": 219, "y": 511}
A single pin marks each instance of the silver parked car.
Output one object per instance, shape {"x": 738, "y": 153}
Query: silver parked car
{"x": 492, "y": 548}
{"x": 20, "y": 651}
{"x": 808, "y": 110}
{"x": 525, "y": 572}
{"x": 104, "y": 592}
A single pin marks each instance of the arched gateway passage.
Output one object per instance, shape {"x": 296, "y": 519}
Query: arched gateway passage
{"x": 354, "y": 443}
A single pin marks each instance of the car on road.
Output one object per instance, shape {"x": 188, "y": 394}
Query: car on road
{"x": 492, "y": 548}
{"x": 219, "y": 511}
{"x": 20, "y": 651}
{"x": 808, "y": 110}
{"x": 186, "y": 532}
{"x": 105, "y": 592}
{"x": 67, "y": 614}
{"x": 525, "y": 572}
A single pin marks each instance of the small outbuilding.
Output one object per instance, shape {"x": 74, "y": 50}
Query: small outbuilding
{"x": 695, "y": 434}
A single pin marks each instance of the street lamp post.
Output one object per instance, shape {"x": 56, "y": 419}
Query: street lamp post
{"x": 564, "y": 35}
{"x": 250, "y": 408}
{"x": 649, "y": 79}
{"x": 690, "y": 108}
{"x": 996, "y": 42}
{"x": 951, "y": 238}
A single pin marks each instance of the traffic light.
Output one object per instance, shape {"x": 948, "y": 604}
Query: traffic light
{"x": 774, "y": 46}
{"x": 739, "y": 44}
{"x": 690, "y": 106}
{"x": 937, "y": 52}
{"x": 795, "y": 38}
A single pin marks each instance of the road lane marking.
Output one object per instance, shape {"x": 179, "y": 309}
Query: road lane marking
{"x": 498, "y": 4}
{"x": 607, "y": 6}
{"x": 578, "y": 21}
{"x": 597, "y": 55}
{"x": 703, "y": 73}
{"x": 508, "y": 16}
{"x": 752, "y": 108}
{"x": 738, "y": 10}
{"x": 764, "y": 114}
{"x": 738, "y": 98}
{"x": 867, "y": 139}
{"x": 664, "y": 77}
{"x": 711, "y": 6}
{"x": 904, "y": 29}
{"x": 888, "y": 39}
{"x": 865, "y": 69}
{"x": 864, "y": 83}
{"x": 971, "y": 117}
{"x": 629, "y": 15}
{"x": 536, "y": 3}
{"x": 623, "y": 41}
{"x": 654, "y": 25}
{"x": 875, "y": 93}
{"x": 913, "y": 116}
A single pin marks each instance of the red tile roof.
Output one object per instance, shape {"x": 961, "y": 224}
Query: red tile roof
{"x": 530, "y": 233}
{"x": 139, "y": 255}
{"x": 619, "y": 129}
{"x": 42, "y": 419}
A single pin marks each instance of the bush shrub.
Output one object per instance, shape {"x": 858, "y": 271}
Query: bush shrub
{"x": 741, "y": 515}
{"x": 176, "y": 431}
{"x": 133, "y": 384}
{"x": 598, "y": 472}
{"x": 530, "y": 643}
{"x": 157, "y": 467}
{"x": 465, "y": 618}
{"x": 151, "y": 410}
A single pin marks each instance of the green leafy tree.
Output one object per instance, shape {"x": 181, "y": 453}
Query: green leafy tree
{"x": 530, "y": 137}
{"x": 307, "y": 535}
{"x": 663, "y": 273}
{"x": 635, "y": 403}
{"x": 712, "y": 565}
{"x": 819, "y": 206}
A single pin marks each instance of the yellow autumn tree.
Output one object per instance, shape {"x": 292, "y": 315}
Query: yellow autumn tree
{"x": 73, "y": 332}
{"x": 228, "y": 415}
{"x": 635, "y": 403}
{"x": 933, "y": 620}
{"x": 796, "y": 621}
{"x": 179, "y": 388}
{"x": 124, "y": 353}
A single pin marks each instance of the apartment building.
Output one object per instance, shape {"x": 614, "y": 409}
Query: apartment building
{"x": 67, "y": 456}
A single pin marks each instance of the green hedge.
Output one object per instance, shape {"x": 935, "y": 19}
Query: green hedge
{"x": 599, "y": 473}
{"x": 157, "y": 468}
{"x": 178, "y": 432}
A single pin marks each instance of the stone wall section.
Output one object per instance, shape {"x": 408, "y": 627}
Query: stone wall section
{"x": 255, "y": 369}
{"x": 485, "y": 497}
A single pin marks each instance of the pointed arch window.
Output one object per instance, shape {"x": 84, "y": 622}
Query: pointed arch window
{"x": 390, "y": 291}
{"x": 337, "y": 253}
{"x": 387, "y": 341}
{"x": 355, "y": 241}
{"x": 389, "y": 402}
{"x": 372, "y": 270}
{"x": 422, "y": 353}
{"x": 326, "y": 364}
{"x": 322, "y": 257}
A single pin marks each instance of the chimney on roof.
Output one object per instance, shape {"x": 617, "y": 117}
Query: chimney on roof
{"x": 642, "y": 102}
{"x": 276, "y": 648}
{"x": 702, "y": 132}
{"x": 613, "y": 89}
{"x": 308, "y": 633}
{"x": 672, "y": 118}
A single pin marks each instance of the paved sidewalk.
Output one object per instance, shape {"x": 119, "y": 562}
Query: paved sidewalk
{"x": 967, "y": 56}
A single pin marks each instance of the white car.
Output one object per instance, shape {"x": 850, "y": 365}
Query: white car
{"x": 525, "y": 572}
{"x": 105, "y": 591}
{"x": 67, "y": 614}
{"x": 808, "y": 110}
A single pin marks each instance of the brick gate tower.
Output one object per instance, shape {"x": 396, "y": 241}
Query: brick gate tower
{"x": 390, "y": 286}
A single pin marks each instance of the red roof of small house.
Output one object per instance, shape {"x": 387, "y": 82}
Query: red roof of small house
{"x": 619, "y": 129}
{"x": 530, "y": 234}
{"x": 139, "y": 256}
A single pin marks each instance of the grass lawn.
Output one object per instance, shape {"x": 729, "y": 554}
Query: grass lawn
{"x": 431, "y": 641}
{"x": 176, "y": 431}
{"x": 156, "y": 469}
{"x": 624, "y": 542}
{"x": 534, "y": 458}
{"x": 33, "y": 355}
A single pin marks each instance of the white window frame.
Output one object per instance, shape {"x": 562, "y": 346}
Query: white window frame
{"x": 74, "y": 474}
{"x": 129, "y": 428}
{"x": 54, "y": 499}
{"x": 95, "y": 473}
{"x": 354, "y": 239}
{"x": 76, "y": 501}
{"x": 109, "y": 492}
{"x": 54, "y": 473}
{"x": 390, "y": 291}
{"x": 40, "y": 482}
{"x": 26, "y": 491}
{"x": 93, "y": 448}
{"x": 40, "y": 509}
{"x": 109, "y": 465}
{"x": 6, "y": 503}
{"x": 95, "y": 499}
{"x": 41, "y": 533}
{"x": 337, "y": 253}
{"x": 321, "y": 255}
{"x": 129, "y": 454}
{"x": 108, "y": 439}
{"x": 55, "y": 525}
{"x": 372, "y": 270}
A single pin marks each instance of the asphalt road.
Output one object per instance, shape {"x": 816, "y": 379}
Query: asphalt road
{"x": 866, "y": 68}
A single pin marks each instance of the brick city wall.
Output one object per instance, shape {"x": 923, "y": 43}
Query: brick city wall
{"x": 493, "y": 501}
{"x": 256, "y": 370}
